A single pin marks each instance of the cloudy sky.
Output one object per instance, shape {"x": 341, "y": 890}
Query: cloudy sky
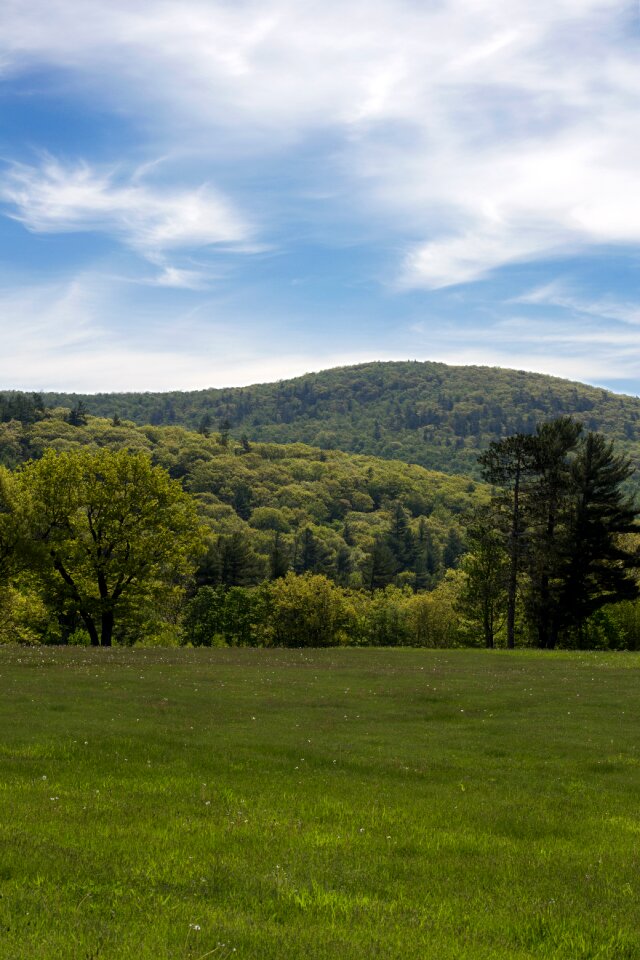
{"x": 219, "y": 192}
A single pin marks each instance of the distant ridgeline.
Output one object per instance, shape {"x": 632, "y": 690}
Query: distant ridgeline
{"x": 431, "y": 414}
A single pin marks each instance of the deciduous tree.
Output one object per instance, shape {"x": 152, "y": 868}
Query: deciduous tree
{"x": 112, "y": 528}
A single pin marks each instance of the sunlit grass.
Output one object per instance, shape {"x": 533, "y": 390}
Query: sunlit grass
{"x": 319, "y": 804}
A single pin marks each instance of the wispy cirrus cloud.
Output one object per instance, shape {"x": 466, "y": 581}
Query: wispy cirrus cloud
{"x": 70, "y": 198}
{"x": 558, "y": 294}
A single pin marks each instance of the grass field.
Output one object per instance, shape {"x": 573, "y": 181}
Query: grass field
{"x": 319, "y": 804}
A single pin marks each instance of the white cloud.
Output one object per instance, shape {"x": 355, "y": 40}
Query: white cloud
{"x": 61, "y": 336}
{"x": 488, "y": 133}
{"x": 59, "y": 198}
{"x": 556, "y": 294}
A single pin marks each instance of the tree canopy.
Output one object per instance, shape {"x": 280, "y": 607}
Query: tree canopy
{"x": 111, "y": 528}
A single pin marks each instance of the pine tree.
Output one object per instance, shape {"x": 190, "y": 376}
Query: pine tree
{"x": 597, "y": 568}
{"x": 560, "y": 517}
{"x": 239, "y": 565}
{"x": 243, "y": 500}
{"x": 343, "y": 565}
{"x": 278, "y": 558}
{"x": 554, "y": 444}
{"x": 225, "y": 427}
{"x": 380, "y": 566}
{"x": 204, "y": 427}
{"x": 509, "y": 463}
{"x": 400, "y": 539}
{"x": 77, "y": 416}
{"x": 453, "y": 548}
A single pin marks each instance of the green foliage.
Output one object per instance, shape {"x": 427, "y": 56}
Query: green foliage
{"x": 113, "y": 532}
{"x": 356, "y": 522}
{"x": 203, "y": 617}
{"x": 14, "y": 512}
{"x": 625, "y": 620}
{"x": 305, "y": 611}
{"x": 309, "y": 610}
{"x": 557, "y": 529}
{"x": 21, "y": 407}
{"x": 483, "y": 598}
{"x": 24, "y": 617}
{"x": 329, "y": 508}
{"x": 432, "y": 414}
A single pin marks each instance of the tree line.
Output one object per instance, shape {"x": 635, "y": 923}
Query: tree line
{"x": 100, "y": 545}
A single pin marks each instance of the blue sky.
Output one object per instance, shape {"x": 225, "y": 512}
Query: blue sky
{"x": 232, "y": 191}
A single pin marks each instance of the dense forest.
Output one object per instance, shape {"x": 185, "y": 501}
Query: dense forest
{"x": 243, "y": 541}
{"x": 359, "y": 520}
{"x": 435, "y": 415}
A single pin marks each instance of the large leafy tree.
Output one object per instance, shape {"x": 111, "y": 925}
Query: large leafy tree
{"x": 112, "y": 529}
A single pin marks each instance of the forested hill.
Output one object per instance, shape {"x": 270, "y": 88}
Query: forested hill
{"x": 357, "y": 519}
{"x": 431, "y": 414}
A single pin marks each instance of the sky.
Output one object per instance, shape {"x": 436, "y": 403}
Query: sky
{"x": 223, "y": 192}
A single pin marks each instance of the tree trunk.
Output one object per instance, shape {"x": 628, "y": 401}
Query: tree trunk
{"x": 488, "y": 630}
{"x": 106, "y": 627}
{"x": 91, "y": 629}
{"x": 513, "y": 569}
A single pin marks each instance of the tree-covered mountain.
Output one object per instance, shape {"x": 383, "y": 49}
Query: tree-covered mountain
{"x": 427, "y": 413}
{"x": 362, "y": 521}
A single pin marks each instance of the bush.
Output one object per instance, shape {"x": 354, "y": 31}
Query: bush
{"x": 305, "y": 611}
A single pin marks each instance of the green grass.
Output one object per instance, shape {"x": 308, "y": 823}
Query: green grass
{"x": 454, "y": 805}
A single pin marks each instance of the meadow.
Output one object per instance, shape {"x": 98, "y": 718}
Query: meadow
{"x": 343, "y": 803}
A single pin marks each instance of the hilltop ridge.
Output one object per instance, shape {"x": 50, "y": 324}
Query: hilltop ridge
{"x": 422, "y": 412}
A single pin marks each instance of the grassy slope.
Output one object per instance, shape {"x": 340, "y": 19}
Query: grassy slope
{"x": 428, "y": 413}
{"x": 318, "y": 804}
